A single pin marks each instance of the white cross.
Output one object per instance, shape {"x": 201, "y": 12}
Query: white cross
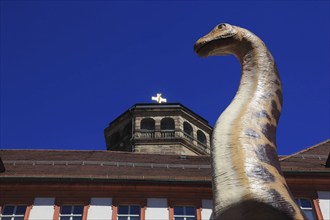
{"x": 158, "y": 99}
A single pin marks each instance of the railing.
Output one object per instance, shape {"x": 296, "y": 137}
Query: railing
{"x": 188, "y": 137}
{"x": 147, "y": 134}
{"x": 201, "y": 144}
{"x": 169, "y": 134}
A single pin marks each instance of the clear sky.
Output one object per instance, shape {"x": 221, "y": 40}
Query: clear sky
{"x": 68, "y": 68}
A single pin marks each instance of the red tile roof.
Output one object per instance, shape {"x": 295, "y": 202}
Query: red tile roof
{"x": 105, "y": 165}
{"x": 118, "y": 166}
{"x": 312, "y": 159}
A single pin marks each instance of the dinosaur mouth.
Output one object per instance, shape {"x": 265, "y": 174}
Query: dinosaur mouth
{"x": 199, "y": 48}
{"x": 215, "y": 47}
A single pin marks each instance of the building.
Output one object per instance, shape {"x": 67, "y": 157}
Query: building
{"x": 157, "y": 167}
{"x": 169, "y": 128}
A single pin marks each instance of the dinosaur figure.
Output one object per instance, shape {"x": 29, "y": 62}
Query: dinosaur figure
{"x": 247, "y": 179}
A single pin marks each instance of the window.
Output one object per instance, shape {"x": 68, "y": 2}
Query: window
{"x": 13, "y": 212}
{"x": 187, "y": 129}
{"x": 148, "y": 124}
{"x": 184, "y": 213}
{"x": 201, "y": 137}
{"x": 167, "y": 124}
{"x": 147, "y": 128}
{"x": 71, "y": 212}
{"x": 128, "y": 212}
{"x": 167, "y": 128}
{"x": 307, "y": 207}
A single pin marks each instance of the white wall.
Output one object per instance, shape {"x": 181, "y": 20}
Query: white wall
{"x": 324, "y": 199}
{"x": 207, "y": 209}
{"x": 100, "y": 208}
{"x": 157, "y": 209}
{"x": 43, "y": 209}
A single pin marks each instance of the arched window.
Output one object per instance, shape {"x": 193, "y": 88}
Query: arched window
{"x": 147, "y": 128}
{"x": 167, "y": 128}
{"x": 187, "y": 129}
{"x": 201, "y": 137}
{"x": 167, "y": 124}
{"x": 148, "y": 124}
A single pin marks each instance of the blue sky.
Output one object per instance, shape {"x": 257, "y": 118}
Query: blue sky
{"x": 68, "y": 68}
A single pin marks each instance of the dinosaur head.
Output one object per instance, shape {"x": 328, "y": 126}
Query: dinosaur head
{"x": 220, "y": 41}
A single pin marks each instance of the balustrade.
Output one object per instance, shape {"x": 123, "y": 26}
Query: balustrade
{"x": 169, "y": 134}
{"x": 146, "y": 134}
{"x": 188, "y": 137}
{"x": 201, "y": 144}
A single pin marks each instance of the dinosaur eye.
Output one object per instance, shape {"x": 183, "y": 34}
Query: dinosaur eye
{"x": 220, "y": 26}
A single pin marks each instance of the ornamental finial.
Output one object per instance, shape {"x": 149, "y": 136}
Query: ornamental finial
{"x": 158, "y": 98}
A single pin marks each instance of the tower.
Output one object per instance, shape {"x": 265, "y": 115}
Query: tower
{"x": 166, "y": 128}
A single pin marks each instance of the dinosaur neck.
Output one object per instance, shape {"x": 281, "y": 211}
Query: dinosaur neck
{"x": 260, "y": 91}
{"x": 246, "y": 170}
{"x": 258, "y": 101}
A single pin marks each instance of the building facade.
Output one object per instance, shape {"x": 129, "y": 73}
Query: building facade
{"x": 156, "y": 168}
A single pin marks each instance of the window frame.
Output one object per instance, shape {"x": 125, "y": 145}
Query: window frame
{"x": 84, "y": 201}
{"x": 13, "y": 216}
{"x": 71, "y": 215}
{"x": 116, "y": 202}
{"x": 184, "y": 216}
{"x": 197, "y": 204}
{"x": 128, "y": 215}
{"x": 312, "y": 208}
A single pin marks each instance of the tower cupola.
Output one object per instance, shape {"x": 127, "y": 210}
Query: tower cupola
{"x": 166, "y": 128}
